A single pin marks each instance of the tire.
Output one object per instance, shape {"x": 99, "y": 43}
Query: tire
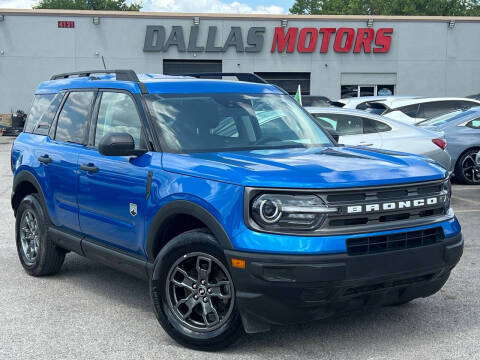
{"x": 466, "y": 170}
{"x": 38, "y": 255}
{"x": 175, "y": 278}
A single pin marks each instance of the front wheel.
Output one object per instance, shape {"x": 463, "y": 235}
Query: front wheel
{"x": 193, "y": 293}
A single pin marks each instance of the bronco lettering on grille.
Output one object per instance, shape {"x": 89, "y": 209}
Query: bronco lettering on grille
{"x": 394, "y": 205}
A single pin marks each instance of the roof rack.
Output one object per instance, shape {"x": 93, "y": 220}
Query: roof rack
{"x": 120, "y": 75}
{"x": 248, "y": 77}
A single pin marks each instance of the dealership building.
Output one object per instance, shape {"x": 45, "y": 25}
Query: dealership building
{"x": 334, "y": 56}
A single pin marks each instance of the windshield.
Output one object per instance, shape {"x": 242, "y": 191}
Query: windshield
{"x": 443, "y": 119}
{"x": 219, "y": 122}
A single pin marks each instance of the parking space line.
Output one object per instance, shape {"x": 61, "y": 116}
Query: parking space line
{"x": 466, "y": 211}
{"x": 476, "y": 202}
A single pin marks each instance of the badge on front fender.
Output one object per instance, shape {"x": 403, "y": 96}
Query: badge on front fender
{"x": 133, "y": 209}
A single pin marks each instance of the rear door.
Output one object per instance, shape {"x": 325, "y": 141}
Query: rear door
{"x": 66, "y": 138}
{"x": 112, "y": 189}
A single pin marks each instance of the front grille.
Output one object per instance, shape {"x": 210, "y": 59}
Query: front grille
{"x": 393, "y": 242}
{"x": 364, "y": 197}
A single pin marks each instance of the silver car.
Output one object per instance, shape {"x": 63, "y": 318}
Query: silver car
{"x": 461, "y": 128}
{"x": 356, "y": 127}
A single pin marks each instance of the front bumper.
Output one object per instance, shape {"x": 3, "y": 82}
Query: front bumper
{"x": 284, "y": 289}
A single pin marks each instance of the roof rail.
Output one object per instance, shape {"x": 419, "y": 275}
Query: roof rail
{"x": 248, "y": 77}
{"x": 120, "y": 75}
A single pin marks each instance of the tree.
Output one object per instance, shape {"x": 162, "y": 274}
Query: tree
{"x": 388, "y": 7}
{"x": 118, "y": 5}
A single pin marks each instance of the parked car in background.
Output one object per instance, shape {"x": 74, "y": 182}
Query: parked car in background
{"x": 461, "y": 129}
{"x": 415, "y": 110}
{"x": 356, "y": 127}
{"x": 474, "y": 96}
{"x": 317, "y": 101}
{"x": 367, "y": 103}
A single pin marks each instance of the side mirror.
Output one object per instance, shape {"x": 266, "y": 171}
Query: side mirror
{"x": 333, "y": 134}
{"x": 118, "y": 144}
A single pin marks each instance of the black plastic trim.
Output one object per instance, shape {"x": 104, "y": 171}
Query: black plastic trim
{"x": 26, "y": 176}
{"x": 284, "y": 289}
{"x": 184, "y": 207}
{"x": 108, "y": 255}
{"x": 120, "y": 75}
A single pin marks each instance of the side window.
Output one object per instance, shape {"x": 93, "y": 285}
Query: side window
{"x": 344, "y": 125}
{"x": 468, "y": 104}
{"x": 374, "y": 126}
{"x": 118, "y": 114}
{"x": 72, "y": 120}
{"x": 41, "y": 103}
{"x": 437, "y": 108}
{"x": 410, "y": 110}
{"x": 474, "y": 124}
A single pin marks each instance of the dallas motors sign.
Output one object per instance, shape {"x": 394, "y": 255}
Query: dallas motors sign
{"x": 285, "y": 40}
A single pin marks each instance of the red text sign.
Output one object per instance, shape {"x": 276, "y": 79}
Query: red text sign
{"x": 345, "y": 40}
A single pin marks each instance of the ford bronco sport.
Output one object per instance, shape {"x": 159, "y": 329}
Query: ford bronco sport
{"x": 227, "y": 197}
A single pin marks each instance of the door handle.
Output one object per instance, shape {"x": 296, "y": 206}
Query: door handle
{"x": 91, "y": 168}
{"x": 45, "y": 159}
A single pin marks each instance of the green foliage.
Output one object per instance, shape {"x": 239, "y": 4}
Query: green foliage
{"x": 118, "y": 5}
{"x": 388, "y": 7}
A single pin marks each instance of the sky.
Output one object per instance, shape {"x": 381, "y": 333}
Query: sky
{"x": 211, "y": 6}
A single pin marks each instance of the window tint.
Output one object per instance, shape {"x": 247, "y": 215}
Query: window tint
{"x": 474, "y": 124}
{"x": 410, "y": 110}
{"x": 468, "y": 104}
{"x": 371, "y": 126}
{"x": 350, "y": 125}
{"x": 118, "y": 114}
{"x": 342, "y": 124}
{"x": 72, "y": 121}
{"x": 217, "y": 122}
{"x": 40, "y": 105}
{"x": 437, "y": 108}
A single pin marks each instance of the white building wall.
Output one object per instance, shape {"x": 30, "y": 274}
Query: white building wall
{"x": 425, "y": 58}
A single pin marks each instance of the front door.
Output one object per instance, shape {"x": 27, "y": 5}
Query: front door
{"x": 112, "y": 189}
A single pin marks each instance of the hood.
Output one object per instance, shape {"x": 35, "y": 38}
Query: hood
{"x": 326, "y": 167}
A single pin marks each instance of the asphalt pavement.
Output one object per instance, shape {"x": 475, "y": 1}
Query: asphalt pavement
{"x": 89, "y": 311}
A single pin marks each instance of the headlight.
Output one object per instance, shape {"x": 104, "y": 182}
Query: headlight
{"x": 283, "y": 211}
{"x": 447, "y": 189}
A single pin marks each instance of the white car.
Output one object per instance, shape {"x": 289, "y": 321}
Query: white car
{"x": 368, "y": 103}
{"x": 415, "y": 110}
{"x": 360, "y": 128}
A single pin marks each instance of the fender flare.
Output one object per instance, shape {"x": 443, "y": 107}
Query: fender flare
{"x": 26, "y": 176}
{"x": 179, "y": 207}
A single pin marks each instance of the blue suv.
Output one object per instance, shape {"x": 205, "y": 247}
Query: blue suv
{"x": 240, "y": 211}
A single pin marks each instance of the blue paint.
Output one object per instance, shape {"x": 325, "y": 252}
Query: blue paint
{"x": 97, "y": 204}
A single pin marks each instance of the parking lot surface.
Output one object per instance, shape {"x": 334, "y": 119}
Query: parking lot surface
{"x": 89, "y": 311}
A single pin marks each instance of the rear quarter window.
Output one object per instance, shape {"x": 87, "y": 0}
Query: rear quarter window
{"x": 42, "y": 113}
{"x": 474, "y": 124}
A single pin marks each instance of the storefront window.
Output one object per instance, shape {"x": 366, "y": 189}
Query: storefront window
{"x": 348, "y": 91}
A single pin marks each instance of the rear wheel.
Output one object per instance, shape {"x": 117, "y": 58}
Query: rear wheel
{"x": 38, "y": 255}
{"x": 467, "y": 169}
{"x": 193, "y": 293}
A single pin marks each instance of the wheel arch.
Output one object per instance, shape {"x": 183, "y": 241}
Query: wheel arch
{"x": 475, "y": 147}
{"x": 25, "y": 183}
{"x": 182, "y": 210}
